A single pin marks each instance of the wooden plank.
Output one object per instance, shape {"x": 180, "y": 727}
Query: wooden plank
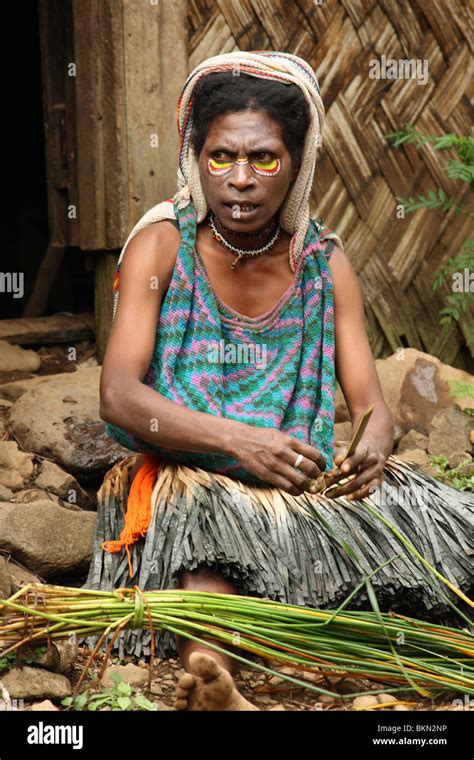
{"x": 71, "y": 119}
{"x": 155, "y": 69}
{"x": 173, "y": 55}
{"x": 54, "y": 45}
{"x": 114, "y": 106}
{"x": 44, "y": 281}
{"x": 103, "y": 299}
{"x": 58, "y": 328}
{"x": 88, "y": 51}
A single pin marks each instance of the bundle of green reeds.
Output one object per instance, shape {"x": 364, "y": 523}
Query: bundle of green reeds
{"x": 401, "y": 654}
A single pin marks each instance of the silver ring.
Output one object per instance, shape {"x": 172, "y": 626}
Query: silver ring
{"x": 299, "y": 459}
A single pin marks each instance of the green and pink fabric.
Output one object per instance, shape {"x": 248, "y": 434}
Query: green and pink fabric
{"x": 275, "y": 370}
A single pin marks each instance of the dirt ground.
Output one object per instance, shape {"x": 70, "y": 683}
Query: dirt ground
{"x": 261, "y": 689}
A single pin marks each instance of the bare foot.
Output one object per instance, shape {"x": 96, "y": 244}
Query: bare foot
{"x": 208, "y": 687}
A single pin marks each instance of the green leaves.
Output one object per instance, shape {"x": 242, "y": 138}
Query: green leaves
{"x": 117, "y": 697}
{"x": 460, "y": 169}
{"x": 452, "y": 475}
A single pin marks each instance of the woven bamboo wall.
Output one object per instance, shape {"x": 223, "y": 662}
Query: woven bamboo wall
{"x": 359, "y": 174}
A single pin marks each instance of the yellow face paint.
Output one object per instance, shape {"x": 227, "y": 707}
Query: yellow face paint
{"x": 268, "y": 168}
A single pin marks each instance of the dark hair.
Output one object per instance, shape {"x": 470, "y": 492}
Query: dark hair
{"x": 221, "y": 92}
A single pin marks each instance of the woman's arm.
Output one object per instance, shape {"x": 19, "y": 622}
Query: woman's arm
{"x": 145, "y": 275}
{"x": 357, "y": 376}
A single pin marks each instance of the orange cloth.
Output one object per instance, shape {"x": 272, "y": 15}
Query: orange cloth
{"x": 138, "y": 515}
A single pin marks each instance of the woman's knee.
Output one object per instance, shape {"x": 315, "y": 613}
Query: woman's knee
{"x": 205, "y": 578}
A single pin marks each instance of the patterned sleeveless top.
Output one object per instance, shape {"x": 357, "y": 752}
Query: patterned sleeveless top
{"x": 276, "y": 370}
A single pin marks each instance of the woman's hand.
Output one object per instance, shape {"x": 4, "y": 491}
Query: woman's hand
{"x": 270, "y": 454}
{"x": 365, "y": 465}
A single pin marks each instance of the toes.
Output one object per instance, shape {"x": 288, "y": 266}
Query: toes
{"x": 204, "y": 666}
{"x": 186, "y": 681}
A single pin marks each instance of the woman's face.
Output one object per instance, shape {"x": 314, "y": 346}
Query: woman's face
{"x": 265, "y": 183}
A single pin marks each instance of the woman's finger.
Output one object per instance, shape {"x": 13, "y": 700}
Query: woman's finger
{"x": 280, "y": 481}
{"x": 340, "y": 454}
{"x": 354, "y": 484}
{"x": 298, "y": 479}
{"x": 306, "y": 466}
{"x": 367, "y": 490}
{"x": 309, "y": 452}
{"x": 361, "y": 457}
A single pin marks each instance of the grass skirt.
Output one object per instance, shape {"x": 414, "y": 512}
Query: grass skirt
{"x": 289, "y": 548}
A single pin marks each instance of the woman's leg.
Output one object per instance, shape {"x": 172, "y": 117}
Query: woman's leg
{"x": 208, "y": 682}
{"x": 204, "y": 579}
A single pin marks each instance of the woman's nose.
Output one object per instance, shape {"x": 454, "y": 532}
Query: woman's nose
{"x": 241, "y": 176}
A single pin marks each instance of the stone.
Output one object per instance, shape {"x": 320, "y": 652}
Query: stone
{"x": 54, "y": 479}
{"x": 382, "y": 698}
{"x": 60, "y": 656}
{"x": 35, "y": 683}
{"x": 450, "y": 433}
{"x": 364, "y": 701}
{"x": 402, "y": 708}
{"x": 16, "y": 467}
{"x": 6, "y": 586}
{"x": 20, "y": 575}
{"x": 418, "y": 456}
{"x": 162, "y": 706}
{"x": 275, "y": 680}
{"x": 264, "y": 699}
{"x": 462, "y": 458}
{"x": 45, "y": 706}
{"x": 49, "y": 659}
{"x": 68, "y": 651}
{"x": 12, "y": 391}
{"x": 59, "y": 419}
{"x": 47, "y": 538}
{"x": 327, "y": 699}
{"x": 416, "y": 386}
{"x": 5, "y": 493}
{"x": 467, "y": 470}
{"x": 412, "y": 440}
{"x": 27, "y": 495}
{"x": 129, "y": 673}
{"x": 346, "y": 685}
{"x": 287, "y": 671}
{"x": 277, "y": 707}
{"x": 14, "y": 357}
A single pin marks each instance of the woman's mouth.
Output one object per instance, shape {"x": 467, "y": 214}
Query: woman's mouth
{"x": 241, "y": 208}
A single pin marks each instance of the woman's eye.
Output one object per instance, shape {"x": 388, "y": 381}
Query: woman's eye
{"x": 263, "y": 158}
